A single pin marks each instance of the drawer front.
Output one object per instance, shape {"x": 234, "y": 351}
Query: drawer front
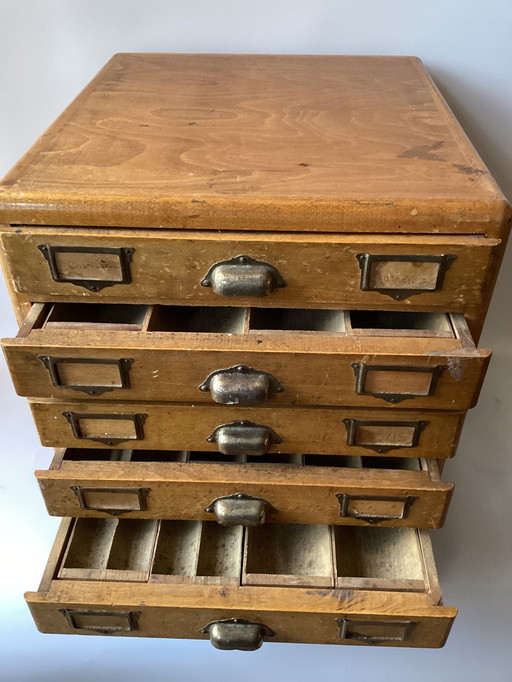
{"x": 191, "y": 579}
{"x": 433, "y": 272}
{"x": 151, "y": 485}
{"x": 136, "y": 354}
{"x": 242, "y": 430}
{"x": 314, "y": 619}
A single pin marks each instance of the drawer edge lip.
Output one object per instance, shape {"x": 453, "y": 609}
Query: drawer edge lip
{"x": 301, "y": 599}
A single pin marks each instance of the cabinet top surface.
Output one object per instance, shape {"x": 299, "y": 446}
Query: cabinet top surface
{"x": 279, "y": 142}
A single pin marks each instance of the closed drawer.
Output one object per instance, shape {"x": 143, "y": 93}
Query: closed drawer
{"x": 439, "y": 272}
{"x": 191, "y": 579}
{"x": 243, "y": 430}
{"x": 246, "y": 490}
{"x": 247, "y": 356}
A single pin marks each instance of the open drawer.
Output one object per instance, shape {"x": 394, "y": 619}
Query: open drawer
{"x": 246, "y": 490}
{"x": 434, "y": 272}
{"x": 247, "y": 430}
{"x": 247, "y": 356}
{"x": 239, "y": 586}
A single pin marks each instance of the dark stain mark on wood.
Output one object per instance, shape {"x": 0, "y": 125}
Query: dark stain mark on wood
{"x": 338, "y": 594}
{"x": 468, "y": 170}
{"x": 425, "y": 152}
{"x": 304, "y": 164}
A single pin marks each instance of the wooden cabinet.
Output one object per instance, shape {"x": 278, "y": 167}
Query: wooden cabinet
{"x": 250, "y": 291}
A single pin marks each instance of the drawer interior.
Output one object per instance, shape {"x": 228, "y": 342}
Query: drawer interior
{"x": 110, "y": 549}
{"x": 283, "y": 459}
{"x": 204, "y": 552}
{"x": 229, "y": 320}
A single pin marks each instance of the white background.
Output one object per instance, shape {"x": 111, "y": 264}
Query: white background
{"x": 48, "y": 51}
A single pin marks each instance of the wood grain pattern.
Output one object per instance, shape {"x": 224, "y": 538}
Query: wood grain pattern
{"x": 315, "y": 368}
{"x": 301, "y": 494}
{"x": 288, "y": 142}
{"x": 319, "y": 269}
{"x": 305, "y": 430}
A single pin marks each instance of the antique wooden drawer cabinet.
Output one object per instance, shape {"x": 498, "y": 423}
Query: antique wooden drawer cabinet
{"x": 250, "y": 291}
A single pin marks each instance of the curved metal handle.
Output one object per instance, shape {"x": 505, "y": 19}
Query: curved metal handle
{"x": 243, "y": 438}
{"x": 240, "y": 510}
{"x": 237, "y": 633}
{"x": 240, "y": 385}
{"x": 243, "y": 276}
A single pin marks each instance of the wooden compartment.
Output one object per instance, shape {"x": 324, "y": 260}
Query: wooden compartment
{"x": 109, "y": 549}
{"x": 288, "y": 554}
{"x": 197, "y": 552}
{"x": 238, "y": 356}
{"x": 304, "y": 430}
{"x": 199, "y": 575}
{"x": 334, "y": 489}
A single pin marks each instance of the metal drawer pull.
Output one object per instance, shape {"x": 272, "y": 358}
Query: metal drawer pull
{"x": 104, "y": 622}
{"x": 366, "y": 507}
{"x": 240, "y": 510}
{"x": 240, "y": 385}
{"x": 63, "y": 371}
{"x": 243, "y": 276}
{"x": 93, "y": 268}
{"x": 114, "y": 501}
{"x": 403, "y": 276}
{"x": 236, "y": 633}
{"x": 375, "y": 631}
{"x": 243, "y": 438}
{"x": 378, "y": 380}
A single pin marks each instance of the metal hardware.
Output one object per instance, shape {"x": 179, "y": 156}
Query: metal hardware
{"x": 403, "y": 629}
{"x": 366, "y": 261}
{"x": 345, "y": 499}
{"x": 243, "y": 276}
{"x": 77, "y": 620}
{"x": 237, "y": 633}
{"x": 123, "y": 365}
{"x": 353, "y": 424}
{"x": 137, "y": 419}
{"x": 243, "y": 438}
{"x": 240, "y": 510}
{"x": 361, "y": 371}
{"x": 124, "y": 254}
{"x": 240, "y": 385}
{"x": 139, "y": 493}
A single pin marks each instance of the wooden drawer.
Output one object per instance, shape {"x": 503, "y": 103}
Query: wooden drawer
{"x": 254, "y": 430}
{"x": 247, "y": 356}
{"x": 314, "y": 584}
{"x": 441, "y": 272}
{"x": 248, "y": 490}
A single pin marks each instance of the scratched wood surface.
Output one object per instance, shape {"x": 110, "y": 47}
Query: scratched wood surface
{"x": 294, "y": 614}
{"x": 289, "y": 142}
{"x": 304, "y": 430}
{"x": 319, "y": 269}
{"x": 300, "y": 494}
{"x": 314, "y": 368}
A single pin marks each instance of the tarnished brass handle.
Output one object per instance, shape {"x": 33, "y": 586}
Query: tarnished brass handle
{"x": 237, "y": 633}
{"x": 243, "y": 276}
{"x": 240, "y": 385}
{"x": 243, "y": 438}
{"x": 240, "y": 510}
